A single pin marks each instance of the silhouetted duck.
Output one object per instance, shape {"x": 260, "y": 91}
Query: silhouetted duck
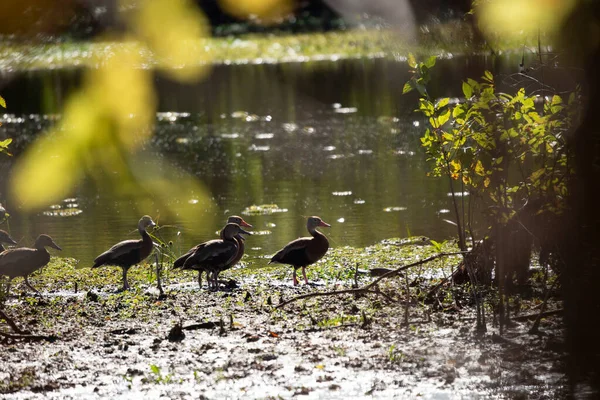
{"x": 128, "y": 253}
{"x": 23, "y": 261}
{"x": 304, "y": 251}
{"x": 5, "y": 238}
{"x": 232, "y": 219}
{"x": 241, "y": 246}
{"x": 215, "y": 254}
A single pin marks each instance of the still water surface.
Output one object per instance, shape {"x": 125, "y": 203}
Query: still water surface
{"x": 334, "y": 139}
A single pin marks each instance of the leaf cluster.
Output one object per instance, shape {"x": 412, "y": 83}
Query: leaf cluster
{"x": 505, "y": 148}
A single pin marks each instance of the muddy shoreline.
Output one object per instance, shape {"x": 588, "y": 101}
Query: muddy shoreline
{"x": 235, "y": 344}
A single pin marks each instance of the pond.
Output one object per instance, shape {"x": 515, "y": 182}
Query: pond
{"x": 334, "y": 139}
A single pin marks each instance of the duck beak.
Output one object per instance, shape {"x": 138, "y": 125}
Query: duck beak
{"x": 325, "y": 224}
{"x": 245, "y": 232}
{"x": 244, "y": 223}
{"x": 55, "y": 246}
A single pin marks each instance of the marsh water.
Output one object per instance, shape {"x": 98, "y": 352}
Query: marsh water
{"x": 334, "y": 139}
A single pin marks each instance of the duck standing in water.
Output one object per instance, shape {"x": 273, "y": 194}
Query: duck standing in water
{"x": 5, "y": 238}
{"x": 216, "y": 254}
{"x": 128, "y": 253}
{"x": 304, "y": 251}
{"x": 23, "y": 261}
{"x": 234, "y": 219}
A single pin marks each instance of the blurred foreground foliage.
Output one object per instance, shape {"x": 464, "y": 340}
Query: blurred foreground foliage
{"x": 105, "y": 126}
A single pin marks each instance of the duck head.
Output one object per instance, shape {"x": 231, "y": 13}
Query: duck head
{"x": 313, "y": 222}
{"x": 231, "y": 230}
{"x": 45, "y": 241}
{"x": 145, "y": 223}
{"x": 5, "y": 238}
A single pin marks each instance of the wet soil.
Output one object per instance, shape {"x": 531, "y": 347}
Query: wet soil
{"x": 233, "y": 343}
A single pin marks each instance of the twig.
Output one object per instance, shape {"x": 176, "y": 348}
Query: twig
{"x": 368, "y": 288}
{"x": 158, "y": 278}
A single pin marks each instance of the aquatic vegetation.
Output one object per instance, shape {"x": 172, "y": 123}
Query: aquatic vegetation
{"x": 263, "y": 209}
{"x": 440, "y": 39}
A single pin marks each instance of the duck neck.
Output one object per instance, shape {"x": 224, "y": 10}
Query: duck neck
{"x": 314, "y": 232}
{"x": 144, "y": 233}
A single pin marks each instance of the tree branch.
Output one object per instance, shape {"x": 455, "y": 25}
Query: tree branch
{"x": 368, "y": 288}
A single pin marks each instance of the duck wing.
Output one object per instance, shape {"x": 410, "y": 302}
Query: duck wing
{"x": 181, "y": 260}
{"x": 22, "y": 261}
{"x": 118, "y": 250}
{"x": 293, "y": 247}
{"x": 214, "y": 253}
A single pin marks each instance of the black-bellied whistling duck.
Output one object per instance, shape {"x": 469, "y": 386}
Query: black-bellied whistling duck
{"x": 23, "y": 261}
{"x": 304, "y": 251}
{"x": 241, "y": 246}
{"x": 215, "y": 254}
{"x": 233, "y": 219}
{"x": 127, "y": 253}
{"x": 5, "y": 238}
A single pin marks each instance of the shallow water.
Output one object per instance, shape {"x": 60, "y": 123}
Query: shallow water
{"x": 334, "y": 139}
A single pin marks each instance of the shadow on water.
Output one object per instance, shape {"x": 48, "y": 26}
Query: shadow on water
{"x": 335, "y": 139}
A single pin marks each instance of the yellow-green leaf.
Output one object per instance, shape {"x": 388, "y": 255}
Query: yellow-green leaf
{"x": 2, "y": 102}
{"x": 479, "y": 170}
{"x": 467, "y": 90}
{"x": 412, "y": 62}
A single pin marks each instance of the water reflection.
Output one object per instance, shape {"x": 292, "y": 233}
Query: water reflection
{"x": 336, "y": 140}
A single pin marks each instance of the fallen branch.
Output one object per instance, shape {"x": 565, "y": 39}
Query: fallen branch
{"x": 28, "y": 338}
{"x": 203, "y": 325}
{"x": 537, "y": 315}
{"x": 368, "y": 288}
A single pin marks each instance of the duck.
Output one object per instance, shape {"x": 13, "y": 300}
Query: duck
{"x": 5, "y": 238}
{"x": 128, "y": 253}
{"x": 24, "y": 260}
{"x": 215, "y": 254}
{"x": 304, "y": 251}
{"x": 234, "y": 219}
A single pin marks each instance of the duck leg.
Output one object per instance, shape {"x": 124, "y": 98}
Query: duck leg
{"x": 30, "y": 286}
{"x": 8, "y": 287}
{"x": 304, "y": 275}
{"x": 125, "y": 283}
{"x": 200, "y": 279}
{"x": 295, "y": 278}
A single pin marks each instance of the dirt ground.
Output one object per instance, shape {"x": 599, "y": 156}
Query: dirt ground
{"x": 234, "y": 343}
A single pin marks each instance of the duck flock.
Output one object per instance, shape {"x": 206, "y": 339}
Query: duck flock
{"x": 211, "y": 257}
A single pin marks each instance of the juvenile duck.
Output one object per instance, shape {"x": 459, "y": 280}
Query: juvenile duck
{"x": 128, "y": 253}
{"x": 232, "y": 219}
{"x": 215, "y": 254}
{"x": 23, "y": 261}
{"x": 305, "y": 251}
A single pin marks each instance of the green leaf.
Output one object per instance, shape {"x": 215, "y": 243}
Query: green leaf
{"x": 442, "y": 103}
{"x": 5, "y": 142}
{"x": 412, "y": 62}
{"x": 467, "y": 90}
{"x": 408, "y": 87}
{"x": 443, "y": 118}
{"x": 487, "y": 75}
{"x": 430, "y": 62}
{"x": 2, "y": 102}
